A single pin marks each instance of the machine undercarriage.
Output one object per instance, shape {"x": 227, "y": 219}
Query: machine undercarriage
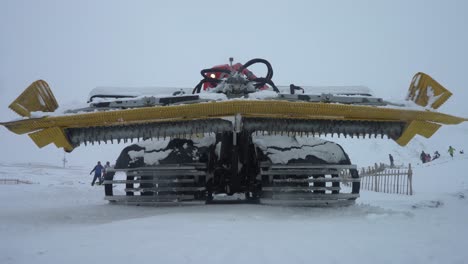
{"x": 233, "y": 168}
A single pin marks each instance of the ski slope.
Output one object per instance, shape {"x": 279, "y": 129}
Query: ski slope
{"x": 62, "y": 219}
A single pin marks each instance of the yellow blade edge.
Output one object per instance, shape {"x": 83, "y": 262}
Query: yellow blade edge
{"x": 270, "y": 109}
{"x": 427, "y": 92}
{"x": 54, "y": 135}
{"x": 423, "y": 128}
{"x": 37, "y": 97}
{"x": 48, "y": 130}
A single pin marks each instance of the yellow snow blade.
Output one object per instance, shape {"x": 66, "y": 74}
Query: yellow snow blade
{"x": 51, "y": 135}
{"x": 250, "y": 108}
{"x": 423, "y": 128}
{"x": 424, "y": 90}
{"x": 37, "y": 97}
{"x": 51, "y": 128}
{"x": 427, "y": 92}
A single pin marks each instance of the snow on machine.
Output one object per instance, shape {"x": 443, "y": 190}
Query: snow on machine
{"x": 235, "y": 135}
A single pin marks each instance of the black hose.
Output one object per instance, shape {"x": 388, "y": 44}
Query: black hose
{"x": 258, "y": 60}
{"x": 293, "y": 88}
{"x": 262, "y": 81}
{"x": 259, "y": 82}
{"x": 207, "y": 78}
{"x": 197, "y": 88}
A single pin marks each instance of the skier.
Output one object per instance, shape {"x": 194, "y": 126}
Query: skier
{"x": 422, "y": 157}
{"x": 451, "y": 151}
{"x": 436, "y": 155}
{"x": 97, "y": 173}
{"x": 428, "y": 157}
{"x": 107, "y": 166}
{"x": 391, "y": 160}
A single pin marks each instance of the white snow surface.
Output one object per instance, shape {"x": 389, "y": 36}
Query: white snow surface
{"x": 136, "y": 91}
{"x": 150, "y": 158}
{"x": 159, "y": 92}
{"x": 432, "y": 98}
{"x": 337, "y": 90}
{"x": 62, "y": 219}
{"x": 204, "y": 141}
{"x": 151, "y": 145}
{"x": 154, "y": 149}
{"x": 300, "y": 148}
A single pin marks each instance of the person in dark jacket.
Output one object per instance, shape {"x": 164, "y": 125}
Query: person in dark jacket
{"x": 423, "y": 157}
{"x": 97, "y": 173}
{"x": 392, "y": 165}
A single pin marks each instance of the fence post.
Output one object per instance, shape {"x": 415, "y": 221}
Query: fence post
{"x": 387, "y": 183}
{"x": 410, "y": 179}
{"x": 377, "y": 182}
{"x": 379, "y": 179}
{"x": 405, "y": 186}
{"x": 397, "y": 183}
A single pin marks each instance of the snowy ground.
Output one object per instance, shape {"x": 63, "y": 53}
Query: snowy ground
{"x": 62, "y": 219}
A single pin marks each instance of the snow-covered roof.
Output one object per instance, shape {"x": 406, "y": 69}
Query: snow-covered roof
{"x": 158, "y": 91}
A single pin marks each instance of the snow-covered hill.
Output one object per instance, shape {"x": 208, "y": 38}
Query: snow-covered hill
{"x": 365, "y": 152}
{"x": 62, "y": 219}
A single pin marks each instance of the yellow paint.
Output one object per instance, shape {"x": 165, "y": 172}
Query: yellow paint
{"x": 419, "y": 89}
{"x": 51, "y": 135}
{"x": 423, "y": 128}
{"x": 251, "y": 108}
{"x": 46, "y": 130}
{"x": 37, "y": 97}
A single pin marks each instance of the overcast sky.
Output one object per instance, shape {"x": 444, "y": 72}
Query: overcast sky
{"x": 78, "y": 45}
